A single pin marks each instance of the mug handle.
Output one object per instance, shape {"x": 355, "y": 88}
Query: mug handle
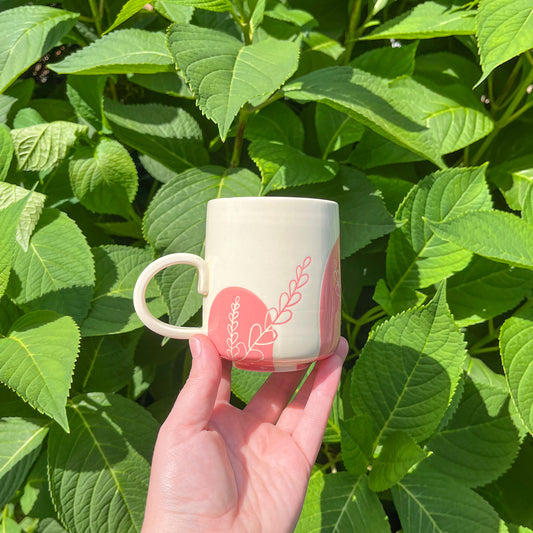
{"x": 139, "y": 292}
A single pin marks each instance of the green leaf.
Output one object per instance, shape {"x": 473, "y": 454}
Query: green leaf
{"x": 9, "y": 525}
{"x": 451, "y": 111}
{"x": 517, "y": 355}
{"x": 388, "y": 62}
{"x": 9, "y": 219}
{"x": 408, "y": 370}
{"x": 210, "y": 5}
{"x": 170, "y": 83}
{"x": 128, "y": 10}
{"x": 37, "y": 359}
{"x": 527, "y": 210}
{"x": 276, "y": 122}
{"x": 167, "y": 231}
{"x": 15, "y": 97}
{"x": 168, "y": 134}
{"x": 283, "y": 166}
{"x": 35, "y": 500}
{"x": 363, "y": 216}
{"x": 434, "y": 503}
{"x": 319, "y": 42}
{"x": 400, "y": 453}
{"x": 426, "y": 21}
{"x": 480, "y": 442}
{"x": 224, "y": 74}
{"x": 504, "y": 30}
{"x": 335, "y": 129}
{"x": 245, "y": 383}
{"x": 6, "y": 151}
{"x": 298, "y": 17}
{"x": 120, "y": 52}
{"x": 393, "y": 190}
{"x": 30, "y": 214}
{"x": 117, "y": 269}
{"x": 105, "y": 363}
{"x": 20, "y": 442}
{"x": 49, "y": 525}
{"x": 341, "y": 502}
{"x": 99, "y": 472}
{"x": 416, "y": 257}
{"x": 497, "y": 235}
{"x": 174, "y": 11}
{"x": 357, "y": 439}
{"x": 156, "y": 169}
{"x": 27, "y": 33}
{"x": 369, "y": 100}
{"x": 57, "y": 271}
{"x": 44, "y": 146}
{"x": 86, "y": 94}
{"x": 485, "y": 289}
{"x": 104, "y": 177}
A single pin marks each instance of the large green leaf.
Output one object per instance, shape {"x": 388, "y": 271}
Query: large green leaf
{"x": 99, "y": 472}
{"x": 497, "y": 235}
{"x": 357, "y": 443}
{"x": 388, "y": 62}
{"x": 416, "y": 257}
{"x": 37, "y": 359}
{"x": 485, "y": 289}
{"x": 276, "y": 122}
{"x": 20, "y": 442}
{"x": 369, "y": 100}
{"x": 117, "y": 269}
{"x": 170, "y": 83}
{"x": 210, "y": 5}
{"x": 168, "y": 134}
{"x": 336, "y": 503}
{"x": 245, "y": 383}
{"x": 120, "y": 52}
{"x": 335, "y": 129}
{"x": 168, "y": 230}
{"x": 6, "y": 151}
{"x": 30, "y": 214}
{"x": 504, "y": 30}
{"x": 427, "y": 20}
{"x": 399, "y": 454}
{"x": 105, "y": 364}
{"x": 57, "y": 271}
{"x": 451, "y": 111}
{"x": 104, "y": 177}
{"x": 130, "y": 8}
{"x": 363, "y": 216}
{"x": 480, "y": 442}
{"x": 44, "y": 146}
{"x": 26, "y": 34}
{"x": 9, "y": 218}
{"x": 174, "y": 10}
{"x": 517, "y": 358}
{"x": 408, "y": 370}
{"x": 86, "y": 94}
{"x": 432, "y": 503}
{"x": 283, "y": 166}
{"x": 224, "y": 74}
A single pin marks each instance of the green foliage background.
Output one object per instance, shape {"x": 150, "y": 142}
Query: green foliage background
{"x": 120, "y": 122}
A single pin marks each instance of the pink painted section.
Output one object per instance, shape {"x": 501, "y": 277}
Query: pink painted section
{"x": 330, "y": 303}
{"x": 241, "y": 328}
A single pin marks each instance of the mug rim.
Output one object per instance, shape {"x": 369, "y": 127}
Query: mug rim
{"x": 273, "y": 199}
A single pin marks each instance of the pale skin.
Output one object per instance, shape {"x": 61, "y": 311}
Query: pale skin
{"x": 217, "y": 468}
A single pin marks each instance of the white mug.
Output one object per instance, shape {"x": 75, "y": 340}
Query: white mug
{"x": 270, "y": 281}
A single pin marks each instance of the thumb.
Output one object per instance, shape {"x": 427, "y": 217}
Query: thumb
{"x": 195, "y": 402}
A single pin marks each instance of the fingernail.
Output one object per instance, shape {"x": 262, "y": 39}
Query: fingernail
{"x": 195, "y": 346}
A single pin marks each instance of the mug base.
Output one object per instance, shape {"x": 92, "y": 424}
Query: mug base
{"x": 276, "y": 366}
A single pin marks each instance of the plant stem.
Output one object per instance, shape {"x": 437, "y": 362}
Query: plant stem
{"x": 351, "y": 36}
{"x": 96, "y": 16}
{"x": 237, "y": 147}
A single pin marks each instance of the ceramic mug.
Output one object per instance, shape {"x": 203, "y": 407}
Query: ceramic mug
{"x": 270, "y": 281}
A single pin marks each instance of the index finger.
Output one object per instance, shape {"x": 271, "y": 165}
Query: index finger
{"x": 310, "y": 427}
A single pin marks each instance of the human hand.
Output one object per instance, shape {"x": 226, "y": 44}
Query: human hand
{"x": 217, "y": 468}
